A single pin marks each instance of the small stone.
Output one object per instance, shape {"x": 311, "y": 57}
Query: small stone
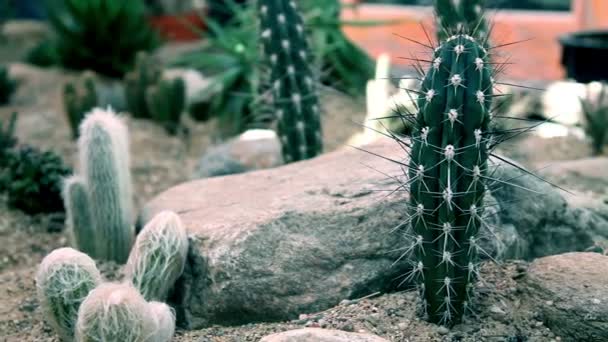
{"x": 303, "y": 316}
{"x": 443, "y": 330}
{"x": 549, "y": 303}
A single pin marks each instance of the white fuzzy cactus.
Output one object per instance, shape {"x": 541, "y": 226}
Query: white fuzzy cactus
{"x": 65, "y": 277}
{"x": 118, "y": 312}
{"x": 165, "y": 320}
{"x": 158, "y": 256}
{"x": 105, "y": 189}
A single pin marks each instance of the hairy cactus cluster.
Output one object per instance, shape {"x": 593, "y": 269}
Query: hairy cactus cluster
{"x": 64, "y": 279}
{"x": 447, "y": 172}
{"x": 99, "y": 202}
{"x": 461, "y": 16}
{"x": 118, "y": 312}
{"x": 158, "y": 256}
{"x": 78, "y": 99}
{"x": 79, "y": 306}
{"x": 149, "y": 95}
{"x": 292, "y": 81}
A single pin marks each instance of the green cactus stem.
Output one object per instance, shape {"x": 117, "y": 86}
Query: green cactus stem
{"x": 78, "y": 100}
{"x": 292, "y": 81}
{"x": 447, "y": 176}
{"x": 461, "y": 16}
{"x": 147, "y": 71}
{"x": 166, "y": 101}
{"x": 64, "y": 279}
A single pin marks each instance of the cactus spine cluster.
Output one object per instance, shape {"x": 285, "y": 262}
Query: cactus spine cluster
{"x": 158, "y": 256}
{"x": 99, "y": 205}
{"x": 292, "y": 81}
{"x": 447, "y": 176}
{"x": 78, "y": 99}
{"x": 118, "y": 312}
{"x": 64, "y": 279}
{"x": 461, "y": 16}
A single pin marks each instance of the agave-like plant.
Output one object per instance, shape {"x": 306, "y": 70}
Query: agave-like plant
{"x": 101, "y": 35}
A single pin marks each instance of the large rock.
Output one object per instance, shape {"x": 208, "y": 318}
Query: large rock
{"x": 271, "y": 244}
{"x": 571, "y": 292}
{"x": 321, "y": 335}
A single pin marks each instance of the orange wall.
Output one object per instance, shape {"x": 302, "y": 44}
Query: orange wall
{"x": 536, "y": 59}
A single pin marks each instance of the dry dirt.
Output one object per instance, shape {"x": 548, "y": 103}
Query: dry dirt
{"x": 160, "y": 161}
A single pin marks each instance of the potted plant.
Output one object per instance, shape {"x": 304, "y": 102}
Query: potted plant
{"x": 584, "y": 55}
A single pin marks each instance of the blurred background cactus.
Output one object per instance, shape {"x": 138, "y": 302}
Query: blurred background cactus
{"x": 292, "y": 80}
{"x": 455, "y": 17}
{"x": 151, "y": 95}
{"x": 100, "y": 35}
{"x": 64, "y": 279}
{"x": 595, "y": 111}
{"x": 104, "y": 160}
{"x": 79, "y": 98}
{"x": 8, "y": 139}
{"x": 7, "y": 85}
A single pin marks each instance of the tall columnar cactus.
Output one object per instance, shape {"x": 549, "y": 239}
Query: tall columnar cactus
{"x": 294, "y": 98}
{"x": 64, "y": 279}
{"x": 147, "y": 71}
{"x": 104, "y": 194}
{"x": 166, "y": 101}
{"x": 447, "y": 176}
{"x": 461, "y": 16}
{"x": 158, "y": 256}
{"x": 118, "y": 312}
{"x": 78, "y": 99}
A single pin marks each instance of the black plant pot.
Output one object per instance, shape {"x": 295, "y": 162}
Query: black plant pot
{"x": 584, "y": 55}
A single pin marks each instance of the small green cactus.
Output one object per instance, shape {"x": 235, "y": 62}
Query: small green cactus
{"x": 147, "y": 71}
{"x": 104, "y": 162}
{"x": 7, "y": 85}
{"x": 447, "y": 173}
{"x": 64, "y": 279}
{"x": 595, "y": 111}
{"x": 78, "y": 207}
{"x": 118, "y": 312}
{"x": 166, "y": 101}
{"x": 461, "y": 16}
{"x": 292, "y": 80}
{"x": 78, "y": 100}
{"x": 158, "y": 256}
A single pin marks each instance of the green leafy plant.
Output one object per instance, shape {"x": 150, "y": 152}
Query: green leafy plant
{"x": 43, "y": 54}
{"x": 79, "y": 99}
{"x": 595, "y": 111}
{"x": 7, "y": 85}
{"x": 32, "y": 179}
{"x": 100, "y": 35}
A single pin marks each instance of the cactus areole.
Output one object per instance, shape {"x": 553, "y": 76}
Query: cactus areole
{"x": 447, "y": 175}
{"x": 294, "y": 98}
